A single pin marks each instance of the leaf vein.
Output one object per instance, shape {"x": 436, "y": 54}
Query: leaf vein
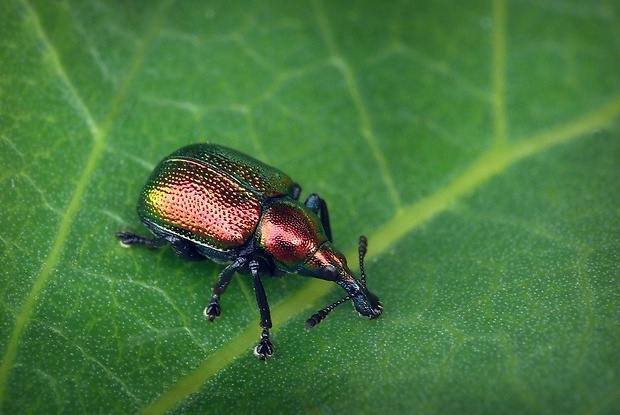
{"x": 99, "y": 134}
{"x": 498, "y": 98}
{"x": 489, "y": 165}
{"x": 49, "y": 264}
{"x": 358, "y": 102}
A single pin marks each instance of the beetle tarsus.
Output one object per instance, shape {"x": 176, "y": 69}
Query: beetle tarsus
{"x": 264, "y": 348}
{"x": 128, "y": 238}
{"x": 213, "y": 310}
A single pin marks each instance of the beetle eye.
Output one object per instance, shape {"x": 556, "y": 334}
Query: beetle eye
{"x": 329, "y": 272}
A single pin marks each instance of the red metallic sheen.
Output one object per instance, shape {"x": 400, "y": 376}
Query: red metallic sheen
{"x": 328, "y": 255}
{"x": 291, "y": 233}
{"x": 212, "y": 207}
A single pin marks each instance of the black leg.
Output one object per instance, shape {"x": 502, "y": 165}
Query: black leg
{"x": 213, "y": 310}
{"x": 184, "y": 249}
{"x": 128, "y": 239}
{"x": 264, "y": 348}
{"x": 318, "y": 206}
{"x": 296, "y": 191}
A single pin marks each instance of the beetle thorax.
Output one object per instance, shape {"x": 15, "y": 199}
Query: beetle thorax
{"x": 290, "y": 232}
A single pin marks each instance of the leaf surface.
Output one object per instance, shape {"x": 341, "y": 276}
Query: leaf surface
{"x": 475, "y": 144}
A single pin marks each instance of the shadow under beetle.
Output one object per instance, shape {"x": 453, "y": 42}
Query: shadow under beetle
{"x": 209, "y": 201}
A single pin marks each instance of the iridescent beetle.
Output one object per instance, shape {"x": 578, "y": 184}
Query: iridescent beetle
{"x": 209, "y": 201}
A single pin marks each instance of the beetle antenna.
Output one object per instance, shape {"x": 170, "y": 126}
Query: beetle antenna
{"x": 363, "y": 247}
{"x": 320, "y": 315}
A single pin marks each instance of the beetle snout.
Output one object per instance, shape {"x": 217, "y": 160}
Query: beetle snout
{"x": 367, "y": 304}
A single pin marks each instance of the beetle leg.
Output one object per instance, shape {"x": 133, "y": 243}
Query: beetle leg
{"x": 318, "y": 206}
{"x": 127, "y": 239}
{"x": 184, "y": 249}
{"x": 213, "y": 310}
{"x": 264, "y": 348}
{"x": 296, "y": 191}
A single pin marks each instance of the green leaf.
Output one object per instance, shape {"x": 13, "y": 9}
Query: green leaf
{"x": 476, "y": 144}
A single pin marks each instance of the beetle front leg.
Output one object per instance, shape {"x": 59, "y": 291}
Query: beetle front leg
{"x": 264, "y": 348}
{"x": 296, "y": 191}
{"x": 213, "y": 310}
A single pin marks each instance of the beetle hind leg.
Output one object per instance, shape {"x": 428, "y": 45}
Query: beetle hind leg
{"x": 184, "y": 249}
{"x": 128, "y": 238}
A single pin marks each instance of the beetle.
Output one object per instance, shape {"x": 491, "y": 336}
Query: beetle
{"x": 212, "y": 202}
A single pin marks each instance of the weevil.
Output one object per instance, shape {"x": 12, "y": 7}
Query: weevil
{"x": 212, "y": 202}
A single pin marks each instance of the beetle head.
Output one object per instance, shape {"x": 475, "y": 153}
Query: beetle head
{"x": 293, "y": 236}
{"x": 332, "y": 266}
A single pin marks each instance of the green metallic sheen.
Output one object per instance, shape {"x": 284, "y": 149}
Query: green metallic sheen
{"x": 232, "y": 185}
